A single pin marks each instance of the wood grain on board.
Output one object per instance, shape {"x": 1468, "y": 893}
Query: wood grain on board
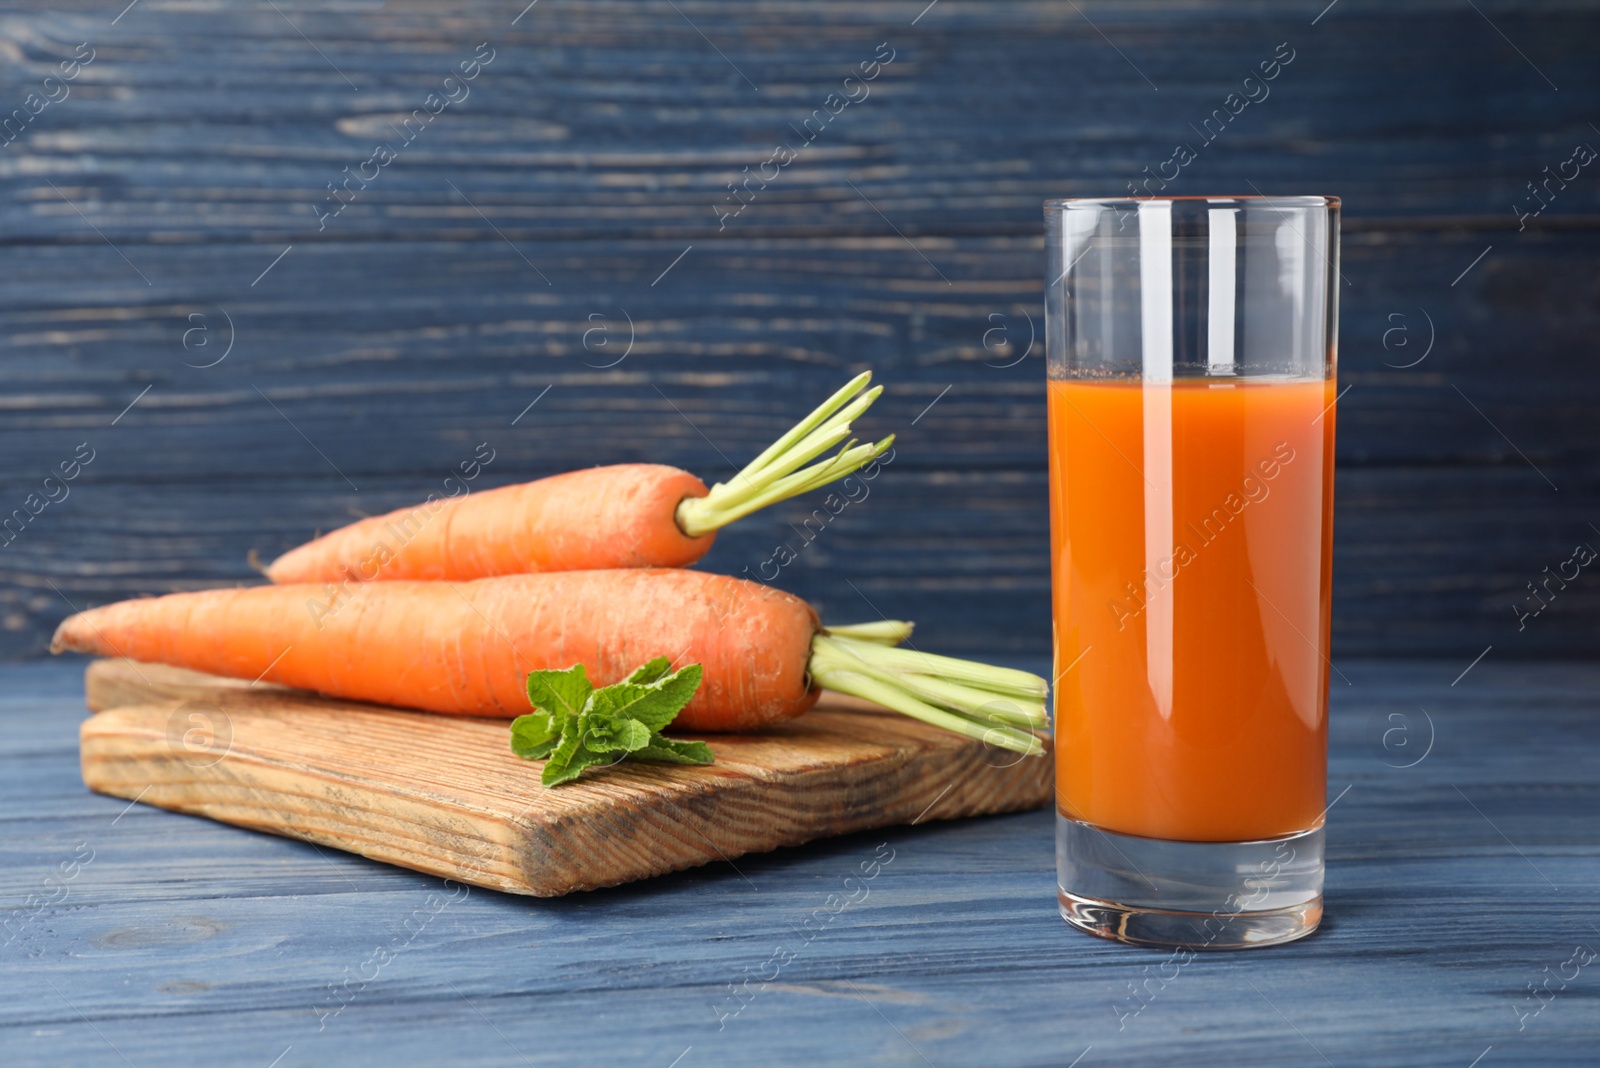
{"x": 444, "y": 795}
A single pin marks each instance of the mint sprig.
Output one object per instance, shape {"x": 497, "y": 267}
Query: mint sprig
{"x": 576, "y": 726}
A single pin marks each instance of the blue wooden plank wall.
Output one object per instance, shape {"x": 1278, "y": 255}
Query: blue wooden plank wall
{"x": 263, "y": 267}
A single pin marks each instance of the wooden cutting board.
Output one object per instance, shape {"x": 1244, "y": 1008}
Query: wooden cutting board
{"x": 444, "y": 795}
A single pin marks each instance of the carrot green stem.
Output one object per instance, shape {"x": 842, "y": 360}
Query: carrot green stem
{"x": 888, "y": 632}
{"x": 999, "y": 680}
{"x": 780, "y": 472}
{"x": 975, "y": 700}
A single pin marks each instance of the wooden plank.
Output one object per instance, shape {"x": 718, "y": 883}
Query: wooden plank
{"x": 1442, "y": 521}
{"x": 590, "y": 124}
{"x": 349, "y": 338}
{"x": 444, "y": 795}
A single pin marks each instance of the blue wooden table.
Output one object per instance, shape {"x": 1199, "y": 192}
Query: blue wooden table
{"x": 1463, "y": 926}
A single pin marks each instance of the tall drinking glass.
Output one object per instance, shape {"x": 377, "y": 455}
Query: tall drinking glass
{"x": 1191, "y": 345}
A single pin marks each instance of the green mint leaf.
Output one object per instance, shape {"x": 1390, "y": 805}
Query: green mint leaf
{"x": 562, "y": 692}
{"x": 635, "y": 735}
{"x": 568, "y": 748}
{"x": 555, "y": 774}
{"x": 666, "y": 750}
{"x": 650, "y": 671}
{"x": 575, "y": 726}
{"x": 655, "y": 705}
{"x": 612, "y": 736}
{"x": 675, "y": 691}
{"x": 538, "y": 752}
{"x": 571, "y": 757}
{"x": 535, "y": 735}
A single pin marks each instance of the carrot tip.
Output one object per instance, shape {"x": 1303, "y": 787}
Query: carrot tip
{"x": 62, "y": 640}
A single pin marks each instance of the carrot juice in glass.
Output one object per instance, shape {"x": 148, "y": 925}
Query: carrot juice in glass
{"x": 1191, "y": 345}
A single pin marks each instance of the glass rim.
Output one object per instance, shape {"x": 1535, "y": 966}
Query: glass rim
{"x": 1291, "y": 201}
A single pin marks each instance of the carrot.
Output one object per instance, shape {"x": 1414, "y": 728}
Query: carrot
{"x": 628, "y": 515}
{"x": 468, "y": 648}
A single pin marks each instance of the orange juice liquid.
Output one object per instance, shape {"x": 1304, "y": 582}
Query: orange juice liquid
{"x": 1191, "y": 542}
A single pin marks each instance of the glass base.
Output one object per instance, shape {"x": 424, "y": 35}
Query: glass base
{"x": 1197, "y": 895}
